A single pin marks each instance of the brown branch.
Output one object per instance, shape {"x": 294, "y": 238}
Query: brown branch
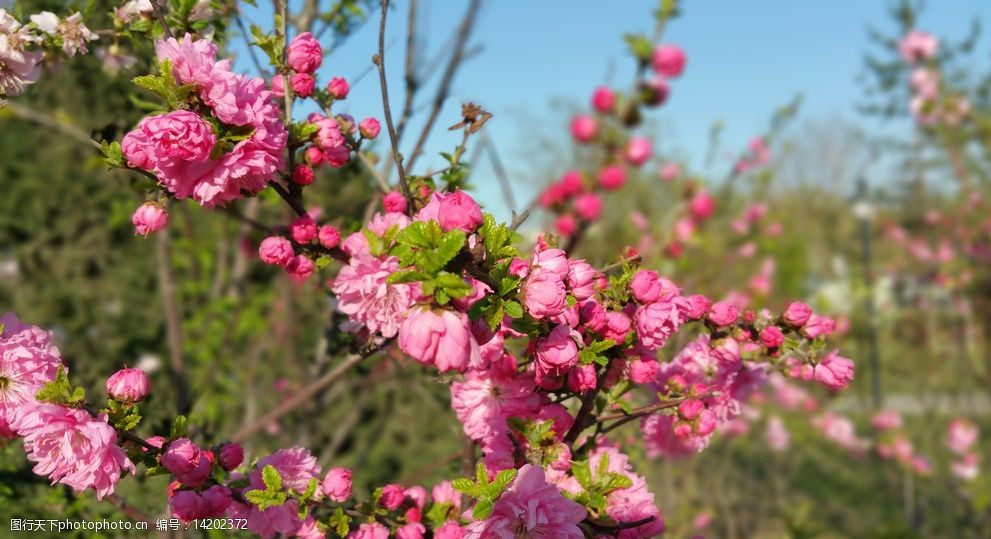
{"x": 464, "y": 32}
{"x": 603, "y": 527}
{"x": 609, "y": 267}
{"x": 379, "y": 61}
{"x": 301, "y": 397}
{"x": 160, "y": 15}
{"x": 622, "y": 417}
{"x": 296, "y": 205}
{"x": 173, "y": 322}
{"x": 410, "y": 76}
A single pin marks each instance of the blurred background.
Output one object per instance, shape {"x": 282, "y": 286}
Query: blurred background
{"x": 871, "y": 208}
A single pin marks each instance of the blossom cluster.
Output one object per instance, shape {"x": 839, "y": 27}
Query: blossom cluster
{"x": 22, "y": 46}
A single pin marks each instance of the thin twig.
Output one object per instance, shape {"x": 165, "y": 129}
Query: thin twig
{"x": 245, "y": 219}
{"x": 379, "y": 61}
{"x": 410, "y": 76}
{"x": 160, "y": 15}
{"x": 40, "y": 118}
{"x": 609, "y": 267}
{"x": 294, "y": 204}
{"x": 464, "y": 31}
{"x": 251, "y": 49}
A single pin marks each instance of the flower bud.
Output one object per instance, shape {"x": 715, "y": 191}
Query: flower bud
{"x": 128, "y": 385}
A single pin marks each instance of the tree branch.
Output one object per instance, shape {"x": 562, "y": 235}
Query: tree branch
{"x": 379, "y": 61}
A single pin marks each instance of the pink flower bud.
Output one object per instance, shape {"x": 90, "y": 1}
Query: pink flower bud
{"x": 726, "y": 350}
{"x": 443, "y": 339}
{"x": 706, "y": 423}
{"x": 589, "y": 206}
{"x": 646, "y": 286}
{"x": 581, "y": 279}
{"x": 582, "y": 378}
{"x": 817, "y": 326}
{"x": 702, "y": 206}
{"x": 638, "y": 151}
{"x": 128, "y": 385}
{"x": 300, "y": 267}
{"x": 392, "y": 496}
{"x": 565, "y": 225}
{"x": 698, "y": 306}
{"x": 459, "y": 210}
{"x": 302, "y": 84}
{"x": 556, "y": 352}
{"x": 394, "y": 202}
{"x": 338, "y": 88}
{"x": 584, "y": 128}
{"x": 604, "y": 99}
{"x": 314, "y": 156}
{"x": 643, "y": 371}
{"x": 772, "y": 337}
{"x": 149, "y": 218}
{"x": 669, "y": 60}
{"x": 670, "y": 172}
{"x": 593, "y": 316}
{"x": 302, "y": 174}
{"x": 329, "y": 236}
{"x": 612, "y": 177}
{"x": 544, "y": 294}
{"x": 186, "y": 505}
{"x": 304, "y": 54}
{"x": 275, "y": 250}
{"x": 690, "y": 409}
{"x": 303, "y": 229}
{"x": 230, "y": 456}
{"x": 617, "y": 326}
{"x": 797, "y": 314}
{"x": 443, "y": 492}
{"x": 181, "y": 456}
{"x": 336, "y": 484}
{"x": 723, "y": 313}
{"x": 278, "y": 86}
{"x": 369, "y": 128}
{"x": 216, "y": 500}
{"x": 413, "y": 530}
{"x": 655, "y": 92}
{"x": 198, "y": 475}
{"x": 834, "y": 372}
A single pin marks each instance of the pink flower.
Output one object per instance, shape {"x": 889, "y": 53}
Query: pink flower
{"x": 552, "y": 260}
{"x": 604, "y": 99}
{"x": 392, "y": 496}
{"x": 772, "y": 337}
{"x": 394, "y": 202}
{"x": 302, "y": 174}
{"x": 337, "y": 484}
{"x": 777, "y": 435}
{"x": 797, "y": 314}
{"x": 556, "y": 352}
{"x": 484, "y": 400}
{"x": 818, "y": 325}
{"x": 72, "y": 447}
{"x": 369, "y": 128}
{"x": 643, "y": 371}
{"x": 458, "y": 210}
{"x": 582, "y": 378}
{"x": 617, "y": 326}
{"x": 304, "y": 54}
{"x": 230, "y": 456}
{"x": 300, "y": 267}
{"x": 148, "y": 218}
{"x": 531, "y": 507}
{"x": 450, "y": 530}
{"x": 18, "y": 67}
{"x": 186, "y": 505}
{"x": 967, "y": 468}
{"x": 670, "y": 172}
{"x": 638, "y": 151}
{"x": 544, "y": 294}
{"x": 702, "y": 206}
{"x": 961, "y": 435}
{"x": 834, "y": 372}
{"x": 338, "y": 88}
{"x": 723, "y": 313}
{"x": 372, "y": 530}
{"x": 669, "y": 60}
{"x": 646, "y": 286}
{"x": 588, "y": 206}
{"x": 303, "y": 84}
{"x": 584, "y": 128}
{"x": 443, "y": 339}
{"x": 28, "y": 361}
{"x": 612, "y": 177}
{"x": 917, "y": 46}
{"x": 303, "y": 229}
{"x": 169, "y": 139}
{"x": 656, "y": 322}
{"x": 565, "y": 225}
{"x": 414, "y": 530}
{"x": 181, "y": 456}
{"x": 296, "y": 466}
{"x": 443, "y": 492}
{"x": 329, "y": 236}
{"x": 886, "y": 420}
{"x": 698, "y": 305}
{"x": 363, "y": 294}
{"x": 276, "y": 250}
{"x": 128, "y": 385}
{"x": 581, "y": 279}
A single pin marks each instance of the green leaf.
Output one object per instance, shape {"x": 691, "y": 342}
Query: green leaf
{"x": 465, "y": 486}
{"x": 583, "y": 473}
{"x": 272, "y": 479}
{"x": 503, "y": 479}
{"x": 311, "y": 489}
{"x": 482, "y": 509}
{"x": 450, "y": 245}
{"x": 178, "y": 428}
{"x": 617, "y": 481}
{"x": 113, "y": 156}
{"x": 453, "y": 284}
{"x": 406, "y": 276}
{"x": 481, "y": 476}
{"x": 513, "y": 309}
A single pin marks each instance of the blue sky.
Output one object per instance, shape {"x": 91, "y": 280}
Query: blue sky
{"x": 745, "y": 58}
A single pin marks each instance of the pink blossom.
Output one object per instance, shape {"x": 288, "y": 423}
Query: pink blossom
{"x": 886, "y": 420}
{"x": 669, "y": 60}
{"x": 698, "y": 305}
{"x": 628, "y": 504}
{"x": 128, "y": 385}
{"x": 917, "y": 46}
{"x": 584, "y": 128}
{"x": 329, "y": 236}
{"x": 797, "y": 314}
{"x": 338, "y": 88}
{"x": 296, "y": 466}
{"x": 702, "y": 206}
{"x": 363, "y": 294}
{"x": 450, "y": 530}
{"x": 18, "y": 67}
{"x": 304, "y": 54}
{"x": 168, "y": 139}
{"x": 530, "y": 507}
{"x": 617, "y": 326}
{"x": 443, "y": 339}
{"x": 581, "y": 279}
{"x": 458, "y": 210}
{"x": 656, "y": 322}
{"x": 646, "y": 286}
{"x": 554, "y": 261}
{"x": 612, "y": 177}
{"x": 565, "y": 225}
{"x": 772, "y": 337}
{"x": 484, "y": 400}
{"x": 181, "y": 456}
{"x": 72, "y": 447}
{"x": 834, "y": 372}
{"x": 643, "y": 371}
{"x": 638, "y": 151}
{"x": 28, "y": 361}
{"x": 303, "y": 229}
{"x": 302, "y": 174}
{"x": 443, "y": 492}
{"x": 723, "y": 313}
{"x": 369, "y": 128}
{"x": 392, "y": 496}
{"x": 967, "y": 468}
{"x": 276, "y": 250}
{"x": 230, "y": 456}
{"x": 556, "y": 352}
{"x": 841, "y": 431}
{"x": 588, "y": 206}
{"x": 370, "y": 530}
{"x": 394, "y": 202}
{"x": 582, "y": 378}
{"x": 961, "y": 435}
{"x": 818, "y": 326}
{"x": 300, "y": 267}
{"x": 604, "y": 99}
{"x": 303, "y": 84}
{"x": 777, "y": 435}
{"x": 413, "y": 530}
{"x": 336, "y": 484}
{"x": 148, "y": 218}
{"x": 544, "y": 294}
